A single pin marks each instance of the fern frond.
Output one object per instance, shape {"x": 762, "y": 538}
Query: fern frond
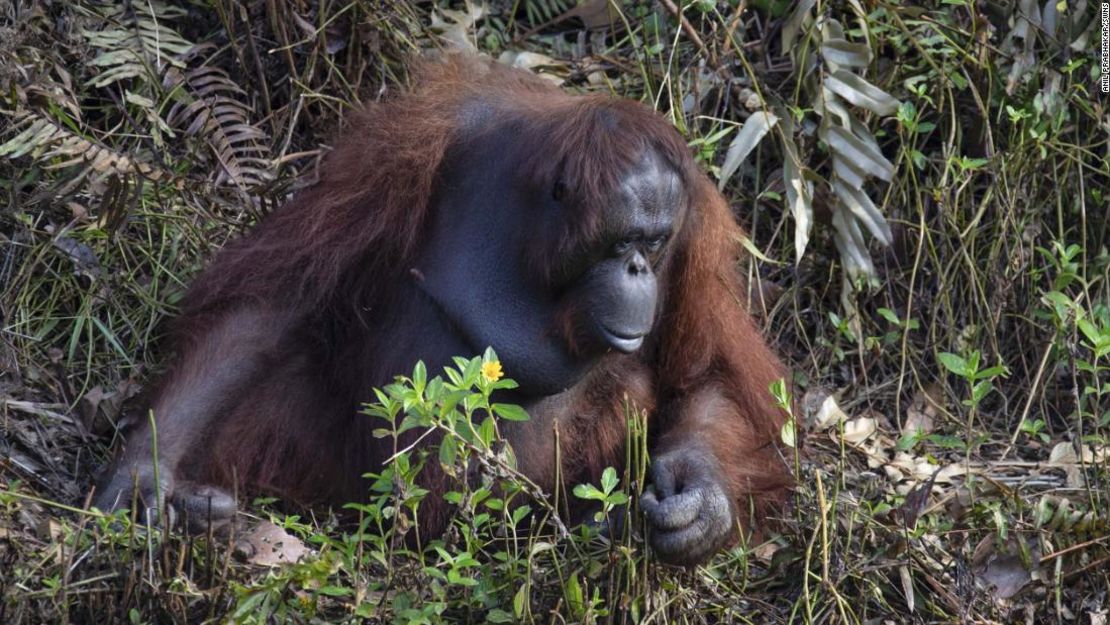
{"x": 211, "y": 107}
{"x": 136, "y": 42}
{"x": 59, "y": 146}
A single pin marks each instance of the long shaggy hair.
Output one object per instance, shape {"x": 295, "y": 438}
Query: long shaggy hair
{"x": 349, "y": 240}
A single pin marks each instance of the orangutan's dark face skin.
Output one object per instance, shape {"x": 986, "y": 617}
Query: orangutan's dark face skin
{"x": 607, "y": 285}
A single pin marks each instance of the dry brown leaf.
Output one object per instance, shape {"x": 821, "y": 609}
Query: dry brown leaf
{"x": 97, "y": 400}
{"x": 877, "y": 451}
{"x": 893, "y": 473}
{"x": 914, "y": 467}
{"x": 527, "y": 60}
{"x": 1064, "y": 453}
{"x": 269, "y": 545}
{"x": 907, "y": 586}
{"x": 858, "y": 430}
{"x": 828, "y": 414}
{"x": 595, "y": 14}
{"x": 922, "y": 412}
{"x": 455, "y": 26}
{"x": 1065, "y": 456}
{"x": 765, "y": 551}
{"x": 1002, "y": 570}
{"x": 50, "y": 530}
{"x": 960, "y": 469}
{"x": 533, "y": 61}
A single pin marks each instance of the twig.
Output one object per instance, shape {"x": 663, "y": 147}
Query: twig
{"x": 688, "y": 28}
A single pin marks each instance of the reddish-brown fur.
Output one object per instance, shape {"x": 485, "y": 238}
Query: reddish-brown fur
{"x": 332, "y": 259}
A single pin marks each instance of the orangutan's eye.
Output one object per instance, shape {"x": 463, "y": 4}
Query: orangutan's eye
{"x": 655, "y": 244}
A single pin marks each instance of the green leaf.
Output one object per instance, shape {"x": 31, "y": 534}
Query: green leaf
{"x": 448, "y": 451}
{"x": 520, "y": 513}
{"x": 456, "y": 578}
{"x": 972, "y": 163}
{"x": 588, "y": 491}
{"x": 907, "y": 112}
{"x": 789, "y": 436}
{"x": 973, "y": 360}
{"x": 487, "y": 431}
{"x": 410, "y": 422}
{"x": 520, "y": 599}
{"x": 1092, "y": 333}
{"x": 890, "y": 316}
{"x": 471, "y": 372}
{"x": 433, "y": 390}
{"x": 954, "y": 363}
{"x": 609, "y": 479}
{"x": 908, "y": 441}
{"x": 510, "y": 412}
{"x": 383, "y": 399}
{"x": 489, "y": 355}
{"x": 1058, "y": 299}
{"x": 919, "y": 159}
{"x": 980, "y": 390}
{"x": 948, "y": 442}
{"x": 991, "y": 372}
{"x": 450, "y": 401}
{"x": 573, "y": 592}
{"x": 780, "y": 393}
{"x": 958, "y": 79}
{"x": 419, "y": 376}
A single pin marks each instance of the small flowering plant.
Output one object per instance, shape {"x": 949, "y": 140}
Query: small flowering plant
{"x": 458, "y": 407}
{"x": 453, "y": 416}
{"x": 491, "y": 370}
{"x": 503, "y": 525}
{"x": 451, "y": 420}
{"x": 465, "y": 392}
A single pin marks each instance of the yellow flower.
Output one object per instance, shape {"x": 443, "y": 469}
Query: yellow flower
{"x": 492, "y": 370}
